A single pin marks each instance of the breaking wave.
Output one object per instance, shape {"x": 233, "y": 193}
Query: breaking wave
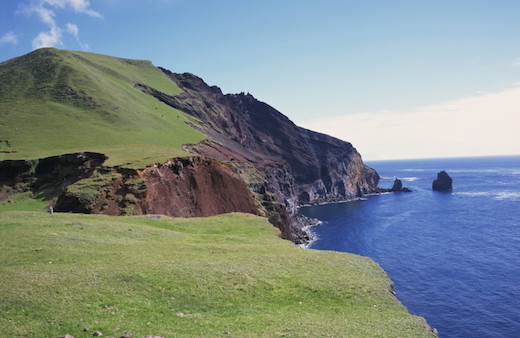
{"x": 502, "y": 195}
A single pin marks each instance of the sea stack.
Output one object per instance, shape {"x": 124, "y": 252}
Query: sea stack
{"x": 398, "y": 186}
{"x": 443, "y": 182}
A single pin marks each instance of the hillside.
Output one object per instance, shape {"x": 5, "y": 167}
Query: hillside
{"x": 54, "y": 102}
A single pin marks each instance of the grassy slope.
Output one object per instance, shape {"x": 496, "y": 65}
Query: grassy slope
{"x": 184, "y": 277}
{"x": 56, "y": 101}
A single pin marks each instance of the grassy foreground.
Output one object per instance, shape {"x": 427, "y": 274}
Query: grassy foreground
{"x": 226, "y": 275}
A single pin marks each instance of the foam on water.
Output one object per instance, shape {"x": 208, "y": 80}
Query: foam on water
{"x": 514, "y": 196}
{"x": 502, "y": 195}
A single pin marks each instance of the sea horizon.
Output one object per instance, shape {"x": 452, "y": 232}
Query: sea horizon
{"x": 439, "y": 158}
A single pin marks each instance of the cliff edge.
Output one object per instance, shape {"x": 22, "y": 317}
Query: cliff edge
{"x": 300, "y": 166}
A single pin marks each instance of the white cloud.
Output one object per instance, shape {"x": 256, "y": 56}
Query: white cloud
{"x": 480, "y": 125}
{"x": 45, "y": 11}
{"x": 9, "y": 37}
{"x": 74, "y": 30}
{"x": 78, "y": 6}
{"x": 52, "y": 38}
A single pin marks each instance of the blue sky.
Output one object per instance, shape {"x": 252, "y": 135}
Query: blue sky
{"x": 378, "y": 73}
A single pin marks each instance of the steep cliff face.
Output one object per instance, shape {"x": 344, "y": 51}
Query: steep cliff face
{"x": 342, "y": 174}
{"x": 317, "y": 168}
{"x": 299, "y": 166}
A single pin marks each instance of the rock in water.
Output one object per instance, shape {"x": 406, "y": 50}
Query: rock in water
{"x": 398, "y": 185}
{"x": 443, "y": 182}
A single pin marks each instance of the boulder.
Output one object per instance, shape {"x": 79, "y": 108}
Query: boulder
{"x": 443, "y": 182}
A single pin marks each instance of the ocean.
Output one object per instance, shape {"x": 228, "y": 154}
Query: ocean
{"x": 454, "y": 257}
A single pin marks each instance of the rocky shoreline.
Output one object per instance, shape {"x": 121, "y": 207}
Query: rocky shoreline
{"x": 307, "y": 223}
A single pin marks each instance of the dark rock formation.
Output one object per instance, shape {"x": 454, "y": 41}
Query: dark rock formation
{"x": 398, "y": 186}
{"x": 443, "y": 182}
{"x": 50, "y": 175}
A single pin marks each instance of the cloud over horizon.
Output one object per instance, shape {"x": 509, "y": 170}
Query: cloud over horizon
{"x": 9, "y": 37}
{"x": 485, "y": 124}
{"x": 45, "y": 10}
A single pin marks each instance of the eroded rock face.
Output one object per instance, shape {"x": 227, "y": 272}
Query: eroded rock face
{"x": 193, "y": 187}
{"x": 51, "y": 174}
{"x": 319, "y": 168}
{"x": 181, "y": 187}
{"x": 443, "y": 182}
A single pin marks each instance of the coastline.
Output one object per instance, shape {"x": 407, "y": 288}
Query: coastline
{"x": 310, "y": 223}
{"x": 314, "y": 222}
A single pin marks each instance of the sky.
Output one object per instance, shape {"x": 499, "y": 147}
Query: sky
{"x": 397, "y": 78}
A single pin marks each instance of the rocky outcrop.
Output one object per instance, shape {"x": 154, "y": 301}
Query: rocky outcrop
{"x": 443, "y": 182}
{"x": 181, "y": 187}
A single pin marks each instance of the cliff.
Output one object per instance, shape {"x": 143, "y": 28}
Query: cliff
{"x": 251, "y": 158}
{"x": 181, "y": 187}
{"x": 300, "y": 166}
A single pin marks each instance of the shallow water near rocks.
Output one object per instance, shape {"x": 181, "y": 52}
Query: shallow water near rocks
{"x": 454, "y": 256}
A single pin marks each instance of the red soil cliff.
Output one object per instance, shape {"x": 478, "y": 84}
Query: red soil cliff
{"x": 195, "y": 186}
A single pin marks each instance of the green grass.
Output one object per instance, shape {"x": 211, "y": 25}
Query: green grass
{"x": 56, "y": 101}
{"x": 24, "y": 201}
{"x": 224, "y": 275}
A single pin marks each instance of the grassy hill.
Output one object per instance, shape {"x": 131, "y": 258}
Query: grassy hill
{"x": 56, "y": 101}
{"x": 224, "y": 275}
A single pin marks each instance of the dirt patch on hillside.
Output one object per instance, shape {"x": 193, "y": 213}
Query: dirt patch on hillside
{"x": 195, "y": 186}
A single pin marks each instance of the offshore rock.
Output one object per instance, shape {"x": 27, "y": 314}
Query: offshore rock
{"x": 443, "y": 182}
{"x": 398, "y": 186}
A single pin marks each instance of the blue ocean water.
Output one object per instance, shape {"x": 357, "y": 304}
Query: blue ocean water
{"x": 454, "y": 256}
